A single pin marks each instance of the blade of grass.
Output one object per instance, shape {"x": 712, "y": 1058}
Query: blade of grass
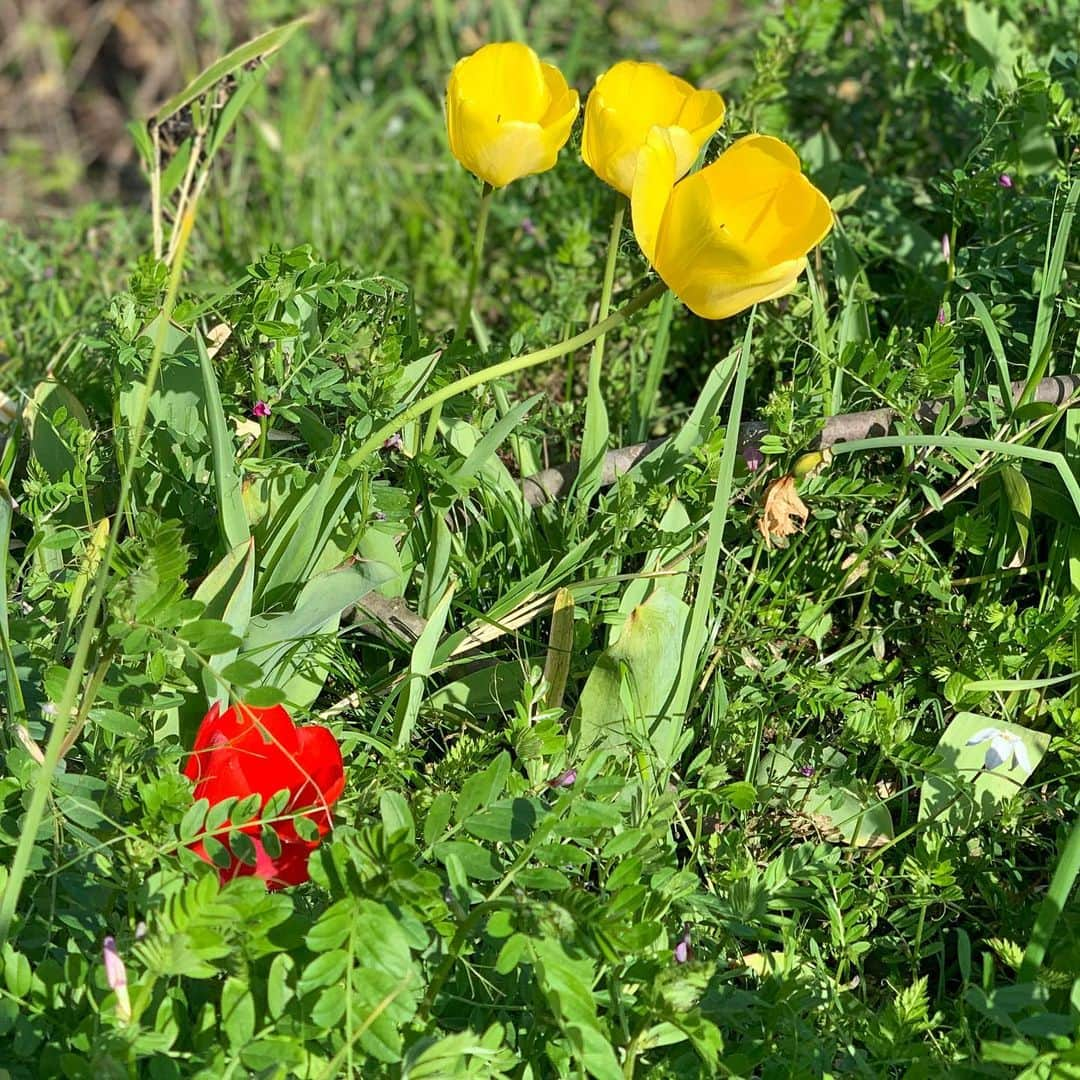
{"x": 1052, "y": 906}
{"x": 1053, "y": 268}
{"x": 958, "y": 443}
{"x": 655, "y": 371}
{"x": 232, "y": 518}
{"x": 263, "y": 45}
{"x": 697, "y": 631}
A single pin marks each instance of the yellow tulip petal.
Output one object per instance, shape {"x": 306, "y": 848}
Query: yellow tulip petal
{"x": 653, "y": 182}
{"x": 507, "y": 114}
{"x": 507, "y": 78}
{"x": 715, "y": 295}
{"x": 764, "y": 201}
{"x": 627, "y": 102}
{"x": 500, "y": 152}
{"x": 558, "y": 95}
{"x": 702, "y": 113}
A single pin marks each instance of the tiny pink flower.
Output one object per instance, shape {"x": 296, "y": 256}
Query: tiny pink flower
{"x": 260, "y": 410}
{"x": 116, "y": 977}
{"x": 568, "y": 779}
{"x": 941, "y": 316}
{"x": 395, "y": 442}
{"x": 683, "y": 952}
{"x": 806, "y": 770}
{"x": 1005, "y": 180}
{"x": 946, "y": 247}
{"x": 527, "y": 227}
{"x": 753, "y": 457}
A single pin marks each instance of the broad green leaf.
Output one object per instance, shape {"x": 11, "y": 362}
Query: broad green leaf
{"x": 227, "y": 593}
{"x": 279, "y": 644}
{"x": 984, "y": 762}
{"x": 647, "y": 659}
{"x": 299, "y": 539}
{"x": 483, "y": 788}
{"x": 237, "y": 1012}
{"x": 567, "y": 984}
{"x": 491, "y": 691}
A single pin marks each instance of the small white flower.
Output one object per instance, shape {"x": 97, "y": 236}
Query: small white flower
{"x": 1005, "y": 749}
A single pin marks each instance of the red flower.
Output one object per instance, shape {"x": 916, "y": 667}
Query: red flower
{"x": 246, "y": 750}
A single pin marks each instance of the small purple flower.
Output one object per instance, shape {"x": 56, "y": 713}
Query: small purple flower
{"x": 946, "y": 247}
{"x": 807, "y": 770}
{"x": 527, "y": 227}
{"x": 1005, "y": 180}
{"x": 568, "y": 779}
{"x": 260, "y": 410}
{"x": 753, "y": 457}
{"x": 683, "y": 952}
{"x": 395, "y": 442}
{"x": 116, "y": 977}
{"x": 941, "y": 316}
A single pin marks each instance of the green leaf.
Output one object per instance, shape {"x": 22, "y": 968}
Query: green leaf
{"x": 192, "y": 822}
{"x": 478, "y": 863}
{"x": 420, "y": 667}
{"x": 983, "y": 763}
{"x": 264, "y": 697}
{"x": 232, "y": 518}
{"x": 567, "y": 985}
{"x": 242, "y": 673}
{"x": 237, "y": 1012}
{"x": 325, "y": 969}
{"x": 438, "y": 817}
{"x": 648, "y": 657}
{"x": 483, "y": 788}
{"x": 279, "y": 643}
{"x": 397, "y": 819}
{"x": 259, "y": 47}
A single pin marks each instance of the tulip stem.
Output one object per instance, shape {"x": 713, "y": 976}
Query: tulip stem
{"x": 474, "y": 266}
{"x": 466, "y": 308}
{"x": 595, "y": 439}
{"x": 501, "y": 370}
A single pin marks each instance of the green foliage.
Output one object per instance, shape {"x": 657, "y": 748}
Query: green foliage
{"x": 757, "y": 832}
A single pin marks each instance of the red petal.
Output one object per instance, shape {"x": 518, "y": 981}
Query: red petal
{"x": 192, "y": 770}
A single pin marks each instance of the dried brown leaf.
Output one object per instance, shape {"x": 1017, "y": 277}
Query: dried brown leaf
{"x": 784, "y": 513}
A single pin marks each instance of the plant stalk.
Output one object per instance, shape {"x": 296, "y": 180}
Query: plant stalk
{"x": 500, "y": 370}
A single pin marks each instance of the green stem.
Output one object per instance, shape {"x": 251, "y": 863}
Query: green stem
{"x": 1052, "y": 906}
{"x": 597, "y": 358}
{"x": 474, "y": 266}
{"x": 595, "y": 438}
{"x": 466, "y": 307}
{"x": 501, "y": 370}
{"x": 43, "y": 783}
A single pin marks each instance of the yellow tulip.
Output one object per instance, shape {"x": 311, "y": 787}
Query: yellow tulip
{"x": 627, "y": 102}
{"x": 507, "y": 114}
{"x": 732, "y": 235}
